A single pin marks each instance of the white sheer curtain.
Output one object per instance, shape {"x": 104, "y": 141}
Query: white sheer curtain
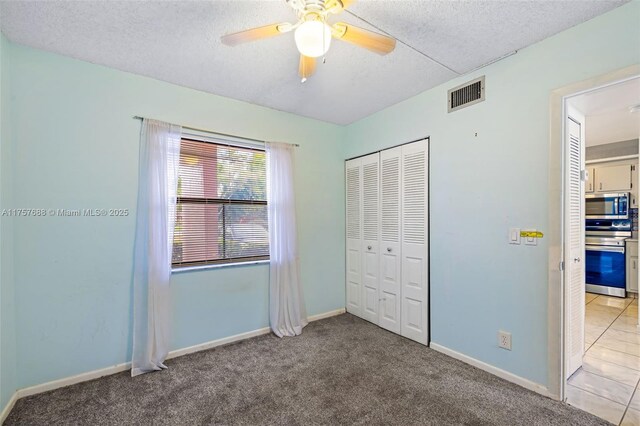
{"x": 157, "y": 187}
{"x": 286, "y": 303}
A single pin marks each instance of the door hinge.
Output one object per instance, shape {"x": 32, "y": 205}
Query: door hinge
{"x": 561, "y": 265}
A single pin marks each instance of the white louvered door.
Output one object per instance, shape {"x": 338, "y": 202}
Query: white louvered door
{"x": 574, "y": 243}
{"x": 370, "y": 236}
{"x": 353, "y": 175}
{"x": 415, "y": 266}
{"x": 390, "y": 261}
{"x": 387, "y": 234}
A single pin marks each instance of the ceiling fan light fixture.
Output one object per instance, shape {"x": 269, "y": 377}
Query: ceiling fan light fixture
{"x": 313, "y": 38}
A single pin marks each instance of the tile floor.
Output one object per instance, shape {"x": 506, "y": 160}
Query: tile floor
{"x": 607, "y": 383}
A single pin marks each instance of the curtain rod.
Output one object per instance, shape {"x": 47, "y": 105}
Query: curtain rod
{"x": 137, "y": 117}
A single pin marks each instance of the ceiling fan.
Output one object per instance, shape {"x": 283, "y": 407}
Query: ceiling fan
{"x": 313, "y": 32}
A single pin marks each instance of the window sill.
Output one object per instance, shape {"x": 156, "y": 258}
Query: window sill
{"x": 218, "y": 266}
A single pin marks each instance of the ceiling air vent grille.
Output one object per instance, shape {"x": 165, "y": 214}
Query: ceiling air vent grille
{"x": 467, "y": 94}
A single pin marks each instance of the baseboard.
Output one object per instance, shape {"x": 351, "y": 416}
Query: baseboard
{"x": 327, "y": 314}
{"x": 218, "y": 342}
{"x": 7, "y": 409}
{"x": 95, "y": 374}
{"x": 243, "y": 336}
{"x": 510, "y": 377}
{"x": 72, "y": 380}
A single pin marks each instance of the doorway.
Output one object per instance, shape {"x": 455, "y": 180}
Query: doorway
{"x": 600, "y": 344}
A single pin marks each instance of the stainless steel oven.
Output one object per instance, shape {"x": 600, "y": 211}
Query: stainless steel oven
{"x": 605, "y": 266}
{"x": 607, "y": 206}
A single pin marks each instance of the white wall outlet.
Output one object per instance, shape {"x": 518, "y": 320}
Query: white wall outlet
{"x": 504, "y": 340}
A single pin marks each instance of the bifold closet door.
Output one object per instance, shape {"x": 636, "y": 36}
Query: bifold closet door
{"x": 370, "y": 235}
{"x": 387, "y": 234}
{"x": 353, "y": 174}
{"x": 414, "y": 250}
{"x": 390, "y": 260}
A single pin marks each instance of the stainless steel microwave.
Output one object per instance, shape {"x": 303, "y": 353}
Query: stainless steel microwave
{"x": 607, "y": 206}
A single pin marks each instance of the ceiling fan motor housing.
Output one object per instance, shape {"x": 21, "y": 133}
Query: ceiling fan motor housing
{"x": 316, "y": 7}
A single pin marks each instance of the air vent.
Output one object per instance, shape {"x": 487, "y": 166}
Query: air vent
{"x": 467, "y": 94}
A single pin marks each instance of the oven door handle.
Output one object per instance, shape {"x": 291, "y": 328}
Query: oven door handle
{"x": 605, "y": 248}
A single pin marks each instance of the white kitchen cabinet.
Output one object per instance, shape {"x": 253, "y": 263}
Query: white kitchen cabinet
{"x": 613, "y": 178}
{"x": 633, "y": 203}
{"x": 590, "y": 185}
{"x": 632, "y": 265}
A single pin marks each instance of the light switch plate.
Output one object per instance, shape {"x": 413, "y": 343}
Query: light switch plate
{"x": 514, "y": 235}
{"x": 530, "y": 241}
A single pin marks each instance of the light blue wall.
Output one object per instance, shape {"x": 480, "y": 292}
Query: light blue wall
{"x": 76, "y": 146}
{"x": 7, "y": 309}
{"x": 482, "y": 185}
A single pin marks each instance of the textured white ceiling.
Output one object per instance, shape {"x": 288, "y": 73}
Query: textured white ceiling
{"x": 179, "y": 42}
{"x": 608, "y": 118}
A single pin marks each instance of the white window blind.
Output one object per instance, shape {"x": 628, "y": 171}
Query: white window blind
{"x": 221, "y": 214}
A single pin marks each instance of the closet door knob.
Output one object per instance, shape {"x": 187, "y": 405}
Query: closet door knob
{"x": 368, "y": 247}
{"x": 389, "y": 249}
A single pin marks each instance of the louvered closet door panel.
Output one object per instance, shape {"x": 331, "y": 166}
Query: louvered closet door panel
{"x": 370, "y": 236}
{"x": 390, "y": 205}
{"x": 574, "y": 243}
{"x": 415, "y": 267}
{"x": 353, "y": 173}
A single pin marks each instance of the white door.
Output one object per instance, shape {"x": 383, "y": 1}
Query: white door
{"x": 370, "y": 236}
{"x": 390, "y": 260}
{"x": 415, "y": 267}
{"x": 574, "y": 242}
{"x": 353, "y": 172}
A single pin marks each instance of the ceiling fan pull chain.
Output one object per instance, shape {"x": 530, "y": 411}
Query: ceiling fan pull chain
{"x": 324, "y": 47}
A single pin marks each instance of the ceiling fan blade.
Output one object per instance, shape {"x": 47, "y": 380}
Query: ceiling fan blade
{"x": 256, "y": 34}
{"x": 347, "y": 3}
{"x": 378, "y": 43}
{"x": 307, "y": 67}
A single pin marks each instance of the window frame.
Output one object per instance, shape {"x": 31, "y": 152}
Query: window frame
{"x": 227, "y": 261}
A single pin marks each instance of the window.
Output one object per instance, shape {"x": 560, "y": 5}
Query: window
{"x": 221, "y": 213}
